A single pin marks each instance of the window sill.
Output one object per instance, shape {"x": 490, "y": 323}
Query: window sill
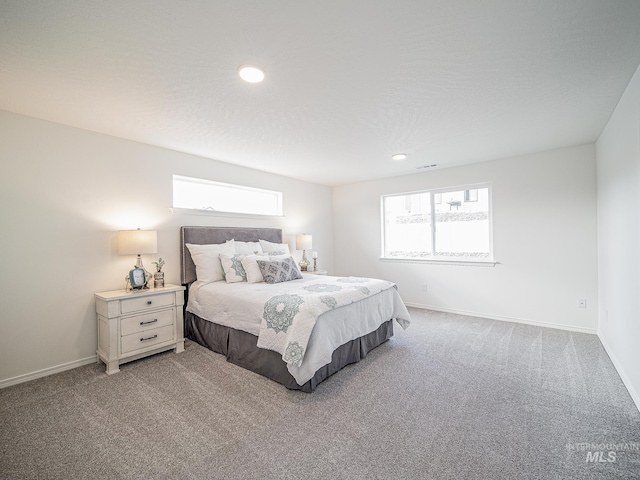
{"x": 434, "y": 261}
{"x": 213, "y": 213}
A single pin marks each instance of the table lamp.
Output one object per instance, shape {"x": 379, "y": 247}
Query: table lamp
{"x": 138, "y": 242}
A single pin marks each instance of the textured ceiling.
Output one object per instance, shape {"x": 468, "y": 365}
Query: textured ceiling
{"x": 348, "y": 83}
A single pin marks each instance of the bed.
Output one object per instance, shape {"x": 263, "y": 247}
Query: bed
{"x": 227, "y": 317}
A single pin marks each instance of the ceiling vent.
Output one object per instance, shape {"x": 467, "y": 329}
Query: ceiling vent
{"x": 426, "y": 166}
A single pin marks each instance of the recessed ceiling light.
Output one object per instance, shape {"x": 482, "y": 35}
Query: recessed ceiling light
{"x": 399, "y": 156}
{"x": 251, "y": 74}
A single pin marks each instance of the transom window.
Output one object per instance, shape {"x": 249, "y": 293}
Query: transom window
{"x": 445, "y": 224}
{"x": 206, "y": 195}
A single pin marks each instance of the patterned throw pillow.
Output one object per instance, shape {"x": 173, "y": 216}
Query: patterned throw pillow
{"x": 233, "y": 270}
{"x": 278, "y": 271}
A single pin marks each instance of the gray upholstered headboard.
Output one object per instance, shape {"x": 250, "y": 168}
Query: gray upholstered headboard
{"x": 207, "y": 235}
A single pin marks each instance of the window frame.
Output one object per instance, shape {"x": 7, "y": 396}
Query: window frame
{"x": 433, "y": 259}
{"x": 225, "y": 213}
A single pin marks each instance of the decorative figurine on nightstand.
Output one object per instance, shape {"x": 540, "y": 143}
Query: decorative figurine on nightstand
{"x": 314, "y": 255}
{"x": 158, "y": 277}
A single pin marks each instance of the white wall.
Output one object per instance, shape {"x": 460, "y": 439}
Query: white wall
{"x": 544, "y": 230}
{"x": 618, "y": 167}
{"x": 64, "y": 194}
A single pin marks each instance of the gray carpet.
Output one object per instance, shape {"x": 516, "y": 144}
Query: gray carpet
{"x": 453, "y": 397}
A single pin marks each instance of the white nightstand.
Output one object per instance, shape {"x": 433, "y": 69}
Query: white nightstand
{"x": 132, "y": 325}
{"x": 317, "y": 272}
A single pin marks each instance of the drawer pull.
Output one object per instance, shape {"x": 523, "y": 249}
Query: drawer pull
{"x": 148, "y": 302}
{"x": 148, "y": 338}
{"x": 150, "y": 321}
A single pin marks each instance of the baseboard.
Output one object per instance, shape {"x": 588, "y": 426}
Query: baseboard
{"x": 558, "y": 326}
{"x": 618, "y": 366}
{"x": 47, "y": 371}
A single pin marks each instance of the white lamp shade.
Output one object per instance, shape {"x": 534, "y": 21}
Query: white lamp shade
{"x": 137, "y": 242}
{"x": 303, "y": 242}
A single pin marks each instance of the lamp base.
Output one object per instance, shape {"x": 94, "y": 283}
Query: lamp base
{"x": 304, "y": 263}
{"x": 129, "y": 288}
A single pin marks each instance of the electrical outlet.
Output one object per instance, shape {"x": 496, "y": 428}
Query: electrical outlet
{"x": 582, "y": 303}
{"x": 424, "y": 287}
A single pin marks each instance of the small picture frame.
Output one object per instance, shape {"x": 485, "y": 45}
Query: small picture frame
{"x": 138, "y": 278}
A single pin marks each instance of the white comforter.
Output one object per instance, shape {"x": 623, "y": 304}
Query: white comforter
{"x": 241, "y": 305}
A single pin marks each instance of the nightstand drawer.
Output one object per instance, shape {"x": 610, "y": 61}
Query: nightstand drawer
{"x": 147, "y": 302}
{"x": 149, "y": 338}
{"x": 141, "y": 323}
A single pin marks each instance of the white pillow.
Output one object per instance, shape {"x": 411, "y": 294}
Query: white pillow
{"x": 207, "y": 260}
{"x": 247, "y": 248}
{"x": 233, "y": 269}
{"x": 250, "y": 265}
{"x": 270, "y": 247}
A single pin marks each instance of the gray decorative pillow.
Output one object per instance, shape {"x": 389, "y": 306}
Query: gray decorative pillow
{"x": 278, "y": 271}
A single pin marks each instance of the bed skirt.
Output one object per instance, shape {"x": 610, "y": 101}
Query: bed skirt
{"x": 240, "y": 348}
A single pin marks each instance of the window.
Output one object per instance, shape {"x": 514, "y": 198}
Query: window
{"x": 471, "y": 195}
{"x": 198, "y": 194}
{"x": 446, "y": 224}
